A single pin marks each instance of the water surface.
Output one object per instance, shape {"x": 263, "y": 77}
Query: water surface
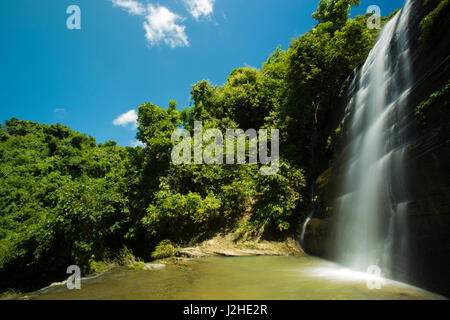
{"x": 278, "y": 278}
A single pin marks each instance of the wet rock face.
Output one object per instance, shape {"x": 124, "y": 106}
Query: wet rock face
{"x": 425, "y": 260}
{"x": 316, "y": 236}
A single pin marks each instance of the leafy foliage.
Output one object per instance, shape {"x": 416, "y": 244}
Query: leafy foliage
{"x": 433, "y": 21}
{"x": 439, "y": 96}
{"x": 63, "y": 197}
{"x": 164, "y": 249}
{"x": 180, "y": 216}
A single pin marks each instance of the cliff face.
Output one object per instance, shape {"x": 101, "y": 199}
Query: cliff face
{"x": 426, "y": 163}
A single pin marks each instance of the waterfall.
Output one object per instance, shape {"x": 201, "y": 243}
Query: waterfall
{"x": 371, "y": 206}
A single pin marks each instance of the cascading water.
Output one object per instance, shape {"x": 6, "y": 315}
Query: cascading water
{"x": 370, "y": 208}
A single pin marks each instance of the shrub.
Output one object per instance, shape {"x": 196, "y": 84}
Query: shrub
{"x": 279, "y": 198}
{"x": 177, "y": 216}
{"x": 164, "y": 249}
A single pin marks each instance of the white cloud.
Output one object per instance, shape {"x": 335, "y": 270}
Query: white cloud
{"x": 198, "y": 8}
{"x": 161, "y": 26}
{"x": 136, "y": 143}
{"x": 126, "y": 118}
{"x": 58, "y": 110}
{"x": 131, "y": 6}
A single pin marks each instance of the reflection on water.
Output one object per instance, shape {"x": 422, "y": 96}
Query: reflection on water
{"x": 278, "y": 278}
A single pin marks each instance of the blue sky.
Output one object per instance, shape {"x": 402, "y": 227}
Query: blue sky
{"x": 132, "y": 51}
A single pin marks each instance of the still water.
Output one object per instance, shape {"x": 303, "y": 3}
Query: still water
{"x": 278, "y": 278}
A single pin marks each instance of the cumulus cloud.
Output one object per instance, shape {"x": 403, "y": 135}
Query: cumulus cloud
{"x": 198, "y": 8}
{"x": 136, "y": 143}
{"x": 161, "y": 25}
{"x": 131, "y": 6}
{"x": 127, "y": 118}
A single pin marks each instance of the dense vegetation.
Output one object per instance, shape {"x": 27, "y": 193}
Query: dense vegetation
{"x": 432, "y": 23}
{"x": 67, "y": 200}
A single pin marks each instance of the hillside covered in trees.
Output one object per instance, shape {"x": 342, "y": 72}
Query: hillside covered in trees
{"x": 67, "y": 200}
